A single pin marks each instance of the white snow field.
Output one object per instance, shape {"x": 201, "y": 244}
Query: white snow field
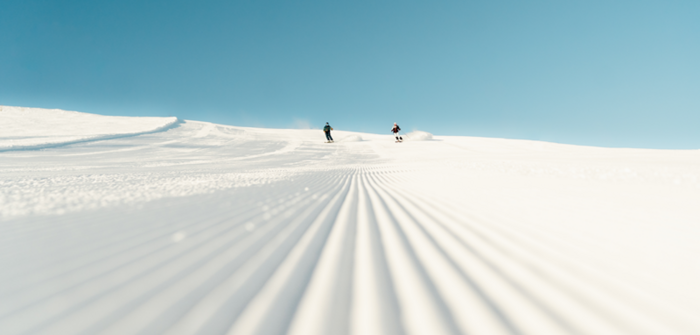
{"x": 115, "y": 225}
{"x": 33, "y": 128}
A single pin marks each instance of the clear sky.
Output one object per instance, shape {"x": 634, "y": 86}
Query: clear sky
{"x": 608, "y": 73}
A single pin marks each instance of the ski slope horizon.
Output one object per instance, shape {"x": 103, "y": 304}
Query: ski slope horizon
{"x": 139, "y": 225}
{"x": 298, "y": 125}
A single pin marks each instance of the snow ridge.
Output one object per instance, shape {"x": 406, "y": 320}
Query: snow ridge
{"x": 173, "y": 122}
{"x": 34, "y": 128}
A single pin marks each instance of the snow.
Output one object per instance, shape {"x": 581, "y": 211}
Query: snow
{"x": 418, "y": 135}
{"x": 351, "y": 138}
{"x": 34, "y": 128}
{"x": 118, "y": 225}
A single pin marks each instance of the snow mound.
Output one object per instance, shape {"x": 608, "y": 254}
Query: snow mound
{"x": 351, "y": 138}
{"x": 419, "y": 136}
{"x": 36, "y": 128}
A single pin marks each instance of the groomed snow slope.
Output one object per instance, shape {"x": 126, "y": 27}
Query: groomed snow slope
{"x": 35, "y": 128}
{"x": 210, "y": 229}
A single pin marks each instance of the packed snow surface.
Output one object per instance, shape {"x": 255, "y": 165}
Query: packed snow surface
{"x": 34, "y": 128}
{"x": 115, "y": 225}
{"x": 418, "y": 135}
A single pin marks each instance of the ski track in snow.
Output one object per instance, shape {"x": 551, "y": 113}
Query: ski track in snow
{"x": 209, "y": 229}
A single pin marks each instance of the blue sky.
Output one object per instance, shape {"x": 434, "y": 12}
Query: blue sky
{"x": 606, "y": 73}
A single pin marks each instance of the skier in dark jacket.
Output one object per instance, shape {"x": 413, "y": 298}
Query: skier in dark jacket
{"x": 396, "y": 131}
{"x": 327, "y": 129}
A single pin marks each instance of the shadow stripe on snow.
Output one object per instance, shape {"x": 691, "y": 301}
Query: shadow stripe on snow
{"x": 170, "y": 125}
{"x": 216, "y": 312}
{"x": 422, "y": 311}
{"x": 203, "y": 280}
{"x": 374, "y": 305}
{"x": 455, "y": 287}
{"x": 494, "y": 267}
{"x": 602, "y": 309}
{"x": 326, "y": 304}
{"x": 134, "y": 236}
{"x": 155, "y": 328}
{"x": 273, "y": 308}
